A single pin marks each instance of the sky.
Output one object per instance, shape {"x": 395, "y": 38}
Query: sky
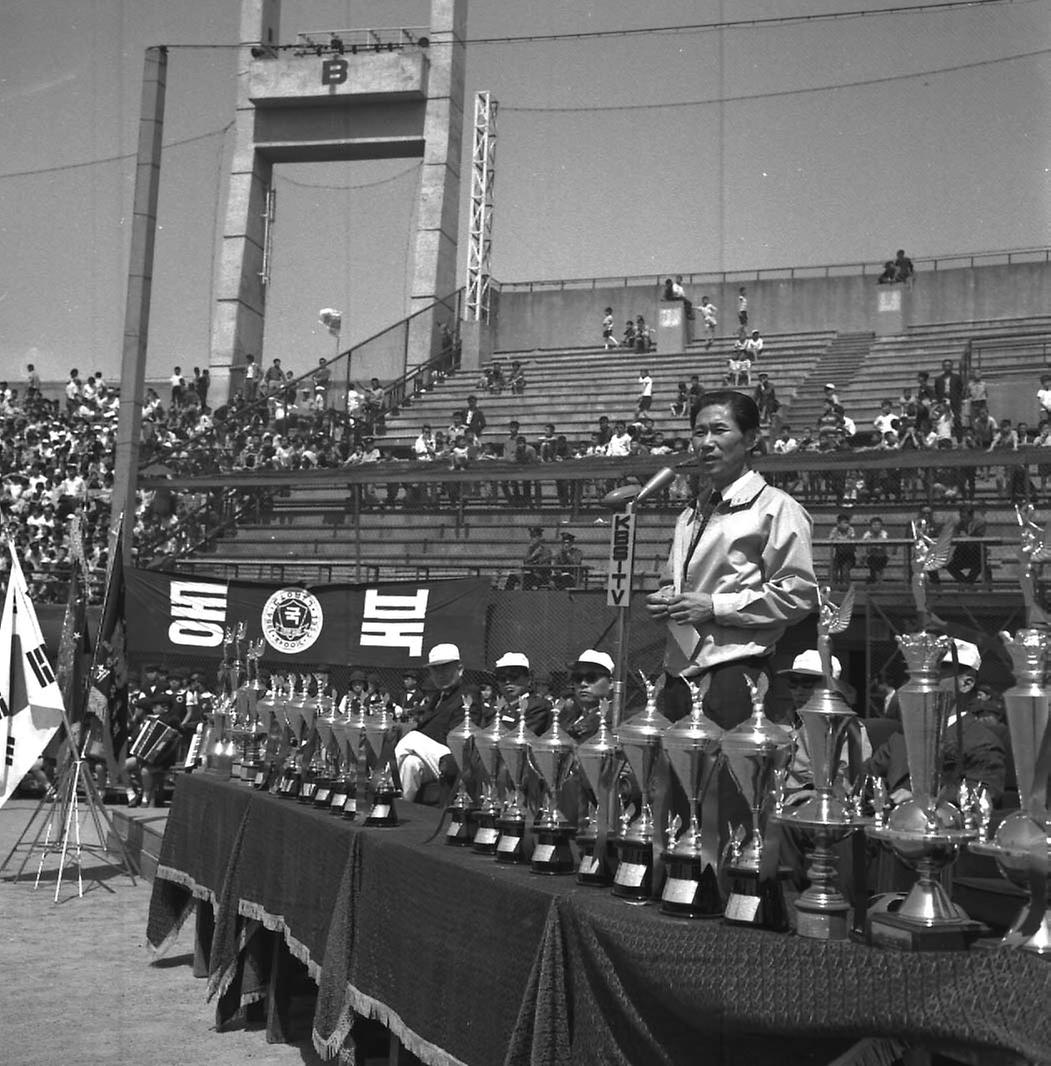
{"x": 747, "y": 147}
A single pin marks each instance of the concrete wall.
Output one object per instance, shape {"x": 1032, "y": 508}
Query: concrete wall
{"x": 573, "y": 317}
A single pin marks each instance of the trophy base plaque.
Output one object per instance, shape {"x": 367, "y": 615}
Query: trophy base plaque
{"x": 511, "y": 846}
{"x": 260, "y": 779}
{"x": 350, "y": 807}
{"x": 552, "y": 854}
{"x": 337, "y": 798}
{"x": 487, "y": 835}
{"x": 323, "y": 793}
{"x": 892, "y": 931}
{"x": 288, "y": 788}
{"x": 458, "y": 831}
{"x": 596, "y": 870}
{"x": 382, "y": 815}
{"x": 633, "y": 880}
{"x": 689, "y": 891}
{"x": 307, "y": 790}
{"x": 760, "y": 904}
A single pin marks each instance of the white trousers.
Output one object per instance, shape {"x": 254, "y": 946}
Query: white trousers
{"x": 418, "y": 757}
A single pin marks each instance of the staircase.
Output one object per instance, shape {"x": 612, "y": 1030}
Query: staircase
{"x": 840, "y": 361}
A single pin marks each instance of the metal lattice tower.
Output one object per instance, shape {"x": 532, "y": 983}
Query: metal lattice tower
{"x": 480, "y": 238}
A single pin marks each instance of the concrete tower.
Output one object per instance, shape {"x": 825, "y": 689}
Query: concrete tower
{"x": 364, "y": 97}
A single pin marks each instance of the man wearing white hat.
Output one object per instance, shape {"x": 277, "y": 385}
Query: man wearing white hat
{"x": 983, "y": 761}
{"x": 421, "y": 751}
{"x": 592, "y": 679}
{"x": 514, "y": 679}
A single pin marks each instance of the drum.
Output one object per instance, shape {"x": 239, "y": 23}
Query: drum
{"x": 156, "y": 741}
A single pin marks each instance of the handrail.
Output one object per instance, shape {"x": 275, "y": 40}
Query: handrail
{"x": 865, "y": 268}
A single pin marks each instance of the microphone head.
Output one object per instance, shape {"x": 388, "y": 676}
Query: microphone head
{"x": 618, "y": 498}
{"x": 664, "y": 477}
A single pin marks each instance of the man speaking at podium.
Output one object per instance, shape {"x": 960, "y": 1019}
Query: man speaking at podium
{"x": 740, "y": 570}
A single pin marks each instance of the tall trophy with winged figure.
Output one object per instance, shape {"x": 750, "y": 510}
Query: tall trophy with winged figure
{"x": 825, "y": 815}
{"x": 460, "y": 740}
{"x": 926, "y": 830}
{"x": 1034, "y": 548}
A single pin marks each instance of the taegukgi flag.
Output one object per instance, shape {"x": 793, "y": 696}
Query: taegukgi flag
{"x": 30, "y": 700}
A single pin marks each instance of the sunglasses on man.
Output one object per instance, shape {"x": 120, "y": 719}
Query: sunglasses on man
{"x": 589, "y": 678}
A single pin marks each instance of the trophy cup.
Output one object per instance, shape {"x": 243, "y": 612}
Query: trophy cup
{"x": 599, "y": 761}
{"x": 925, "y": 831}
{"x": 358, "y": 764}
{"x": 553, "y": 755}
{"x": 1021, "y": 845}
{"x": 691, "y": 889}
{"x": 256, "y": 731}
{"x": 381, "y": 733}
{"x": 459, "y": 738}
{"x": 757, "y": 752}
{"x": 343, "y": 759}
{"x": 490, "y": 807}
{"x": 310, "y": 754}
{"x": 640, "y": 740}
{"x": 512, "y": 847}
{"x": 326, "y": 750}
{"x": 240, "y": 723}
{"x": 214, "y": 743}
{"x": 826, "y": 817}
{"x": 295, "y": 719}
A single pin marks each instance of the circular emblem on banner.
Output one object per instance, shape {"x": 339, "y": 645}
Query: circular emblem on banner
{"x": 292, "y": 620}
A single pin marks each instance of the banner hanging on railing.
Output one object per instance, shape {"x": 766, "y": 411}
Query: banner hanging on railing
{"x": 391, "y": 624}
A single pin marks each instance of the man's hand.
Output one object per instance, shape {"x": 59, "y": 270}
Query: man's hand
{"x": 657, "y": 603}
{"x": 691, "y": 608}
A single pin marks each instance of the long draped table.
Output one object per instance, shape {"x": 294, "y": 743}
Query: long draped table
{"x": 469, "y": 961}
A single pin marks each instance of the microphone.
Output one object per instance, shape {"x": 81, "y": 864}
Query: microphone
{"x": 619, "y": 497}
{"x": 665, "y": 476}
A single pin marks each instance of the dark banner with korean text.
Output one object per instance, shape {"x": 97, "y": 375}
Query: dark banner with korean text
{"x": 391, "y": 624}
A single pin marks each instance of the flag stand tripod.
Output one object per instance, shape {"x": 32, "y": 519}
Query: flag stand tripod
{"x": 60, "y": 828}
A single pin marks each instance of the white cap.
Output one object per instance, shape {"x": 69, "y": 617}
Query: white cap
{"x": 441, "y": 654}
{"x": 809, "y": 662}
{"x": 829, "y": 385}
{"x": 967, "y": 654}
{"x": 596, "y": 658}
{"x": 512, "y": 660}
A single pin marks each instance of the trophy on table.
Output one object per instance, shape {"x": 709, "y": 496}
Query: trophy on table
{"x": 757, "y": 752}
{"x": 490, "y": 806}
{"x": 828, "y": 816}
{"x": 326, "y": 750}
{"x": 381, "y": 734}
{"x": 640, "y": 740}
{"x": 310, "y": 760}
{"x": 926, "y": 830}
{"x": 358, "y": 764}
{"x": 691, "y": 889}
{"x": 599, "y": 761}
{"x": 516, "y": 753}
{"x": 342, "y": 781}
{"x": 459, "y": 740}
{"x": 553, "y": 756}
{"x": 295, "y": 719}
{"x": 254, "y": 769}
{"x": 215, "y": 746}
{"x": 1021, "y": 844}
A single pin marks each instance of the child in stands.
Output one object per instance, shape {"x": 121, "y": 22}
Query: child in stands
{"x": 877, "y": 555}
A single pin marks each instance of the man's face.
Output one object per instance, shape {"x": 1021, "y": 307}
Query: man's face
{"x": 513, "y": 682}
{"x": 721, "y": 448}
{"x": 445, "y": 675}
{"x": 590, "y": 684}
{"x": 946, "y": 678}
{"x": 800, "y": 686}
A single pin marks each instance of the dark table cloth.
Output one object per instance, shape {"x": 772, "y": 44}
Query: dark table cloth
{"x": 469, "y": 961}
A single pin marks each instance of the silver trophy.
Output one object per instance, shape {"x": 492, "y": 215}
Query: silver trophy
{"x": 490, "y": 807}
{"x": 553, "y": 758}
{"x": 599, "y": 761}
{"x": 1021, "y": 845}
{"x": 460, "y": 741}
{"x": 757, "y": 752}
{"x": 640, "y": 740}
{"x": 516, "y": 753}
{"x": 691, "y": 889}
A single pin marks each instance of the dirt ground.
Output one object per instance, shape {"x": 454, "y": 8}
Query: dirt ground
{"x": 79, "y": 984}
